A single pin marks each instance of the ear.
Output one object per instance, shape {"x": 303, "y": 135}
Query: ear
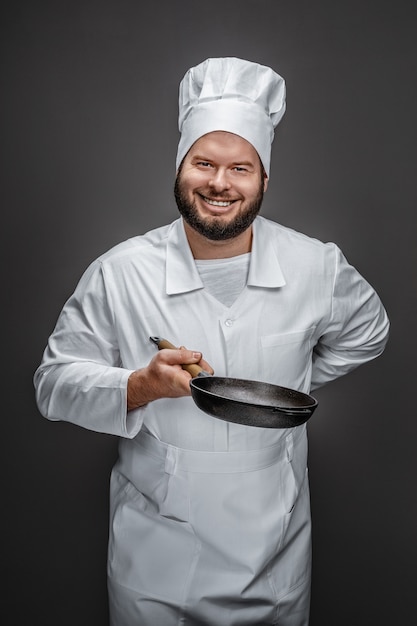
{"x": 266, "y": 179}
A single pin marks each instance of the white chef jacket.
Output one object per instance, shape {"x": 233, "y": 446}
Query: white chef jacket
{"x": 305, "y": 317}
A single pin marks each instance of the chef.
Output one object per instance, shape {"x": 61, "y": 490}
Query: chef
{"x": 209, "y": 520}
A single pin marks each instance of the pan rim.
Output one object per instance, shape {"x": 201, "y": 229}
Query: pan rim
{"x": 310, "y": 405}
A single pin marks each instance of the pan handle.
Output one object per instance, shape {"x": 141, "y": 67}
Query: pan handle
{"x": 192, "y": 368}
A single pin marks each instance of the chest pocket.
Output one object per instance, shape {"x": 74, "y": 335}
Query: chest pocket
{"x": 286, "y": 358}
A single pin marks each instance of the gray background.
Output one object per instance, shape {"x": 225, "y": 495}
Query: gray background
{"x": 89, "y": 135}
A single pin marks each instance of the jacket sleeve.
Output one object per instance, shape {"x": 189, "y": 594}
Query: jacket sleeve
{"x": 80, "y": 378}
{"x": 357, "y": 329}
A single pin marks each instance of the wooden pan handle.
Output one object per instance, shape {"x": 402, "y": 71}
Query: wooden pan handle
{"x": 193, "y": 369}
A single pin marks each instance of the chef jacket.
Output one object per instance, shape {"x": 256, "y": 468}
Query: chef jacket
{"x": 305, "y": 317}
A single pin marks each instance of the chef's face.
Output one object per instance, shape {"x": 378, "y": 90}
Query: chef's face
{"x": 220, "y": 186}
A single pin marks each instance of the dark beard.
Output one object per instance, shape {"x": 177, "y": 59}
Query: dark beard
{"x": 214, "y": 229}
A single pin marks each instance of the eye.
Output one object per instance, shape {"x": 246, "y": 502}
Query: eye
{"x": 204, "y": 164}
{"x": 240, "y": 168}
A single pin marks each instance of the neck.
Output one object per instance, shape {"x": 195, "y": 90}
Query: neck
{"x": 203, "y": 248}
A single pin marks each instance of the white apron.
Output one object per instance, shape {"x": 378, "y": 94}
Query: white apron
{"x": 210, "y": 538}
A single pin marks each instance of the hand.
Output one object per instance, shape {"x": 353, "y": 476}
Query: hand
{"x": 163, "y": 377}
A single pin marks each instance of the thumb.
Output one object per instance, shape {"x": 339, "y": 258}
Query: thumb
{"x": 190, "y": 356}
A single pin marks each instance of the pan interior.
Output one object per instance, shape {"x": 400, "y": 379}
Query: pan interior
{"x": 253, "y": 392}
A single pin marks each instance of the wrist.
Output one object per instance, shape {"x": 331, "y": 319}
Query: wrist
{"x": 139, "y": 392}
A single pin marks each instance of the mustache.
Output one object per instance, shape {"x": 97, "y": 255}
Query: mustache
{"x": 216, "y": 195}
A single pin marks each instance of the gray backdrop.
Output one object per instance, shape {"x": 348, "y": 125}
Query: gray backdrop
{"x": 89, "y": 136}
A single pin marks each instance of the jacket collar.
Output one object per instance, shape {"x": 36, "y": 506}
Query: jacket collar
{"x": 182, "y": 274}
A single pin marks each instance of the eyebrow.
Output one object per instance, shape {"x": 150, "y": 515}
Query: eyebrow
{"x": 197, "y": 157}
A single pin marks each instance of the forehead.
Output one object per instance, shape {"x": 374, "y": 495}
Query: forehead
{"x": 220, "y": 145}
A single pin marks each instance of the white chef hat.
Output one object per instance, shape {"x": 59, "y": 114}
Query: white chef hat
{"x": 232, "y": 95}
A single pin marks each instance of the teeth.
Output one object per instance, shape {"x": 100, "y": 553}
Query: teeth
{"x": 217, "y": 202}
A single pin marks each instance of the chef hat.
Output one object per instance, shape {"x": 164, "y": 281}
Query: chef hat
{"x": 233, "y": 95}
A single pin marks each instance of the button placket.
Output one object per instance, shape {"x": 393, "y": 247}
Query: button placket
{"x": 230, "y": 331}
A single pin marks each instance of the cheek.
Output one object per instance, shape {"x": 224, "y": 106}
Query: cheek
{"x": 194, "y": 181}
{"x": 251, "y": 192}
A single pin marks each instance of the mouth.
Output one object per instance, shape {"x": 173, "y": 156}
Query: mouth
{"x": 218, "y": 203}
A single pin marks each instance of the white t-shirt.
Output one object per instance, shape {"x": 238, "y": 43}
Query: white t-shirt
{"x": 225, "y": 278}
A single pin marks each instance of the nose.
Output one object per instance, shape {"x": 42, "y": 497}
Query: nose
{"x": 219, "y": 181}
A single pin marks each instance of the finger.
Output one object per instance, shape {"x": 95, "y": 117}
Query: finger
{"x": 179, "y": 356}
{"x": 190, "y": 356}
{"x": 202, "y": 362}
{"x": 206, "y": 366}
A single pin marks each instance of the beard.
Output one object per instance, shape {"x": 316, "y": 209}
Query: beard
{"x": 215, "y": 228}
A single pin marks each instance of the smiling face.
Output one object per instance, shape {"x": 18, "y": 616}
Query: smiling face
{"x": 219, "y": 191}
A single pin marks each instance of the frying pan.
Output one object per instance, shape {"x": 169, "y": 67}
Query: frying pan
{"x": 246, "y": 402}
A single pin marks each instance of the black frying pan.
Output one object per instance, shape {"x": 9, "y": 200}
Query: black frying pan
{"x": 247, "y": 402}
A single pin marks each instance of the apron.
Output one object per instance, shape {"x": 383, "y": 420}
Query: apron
{"x": 210, "y": 538}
